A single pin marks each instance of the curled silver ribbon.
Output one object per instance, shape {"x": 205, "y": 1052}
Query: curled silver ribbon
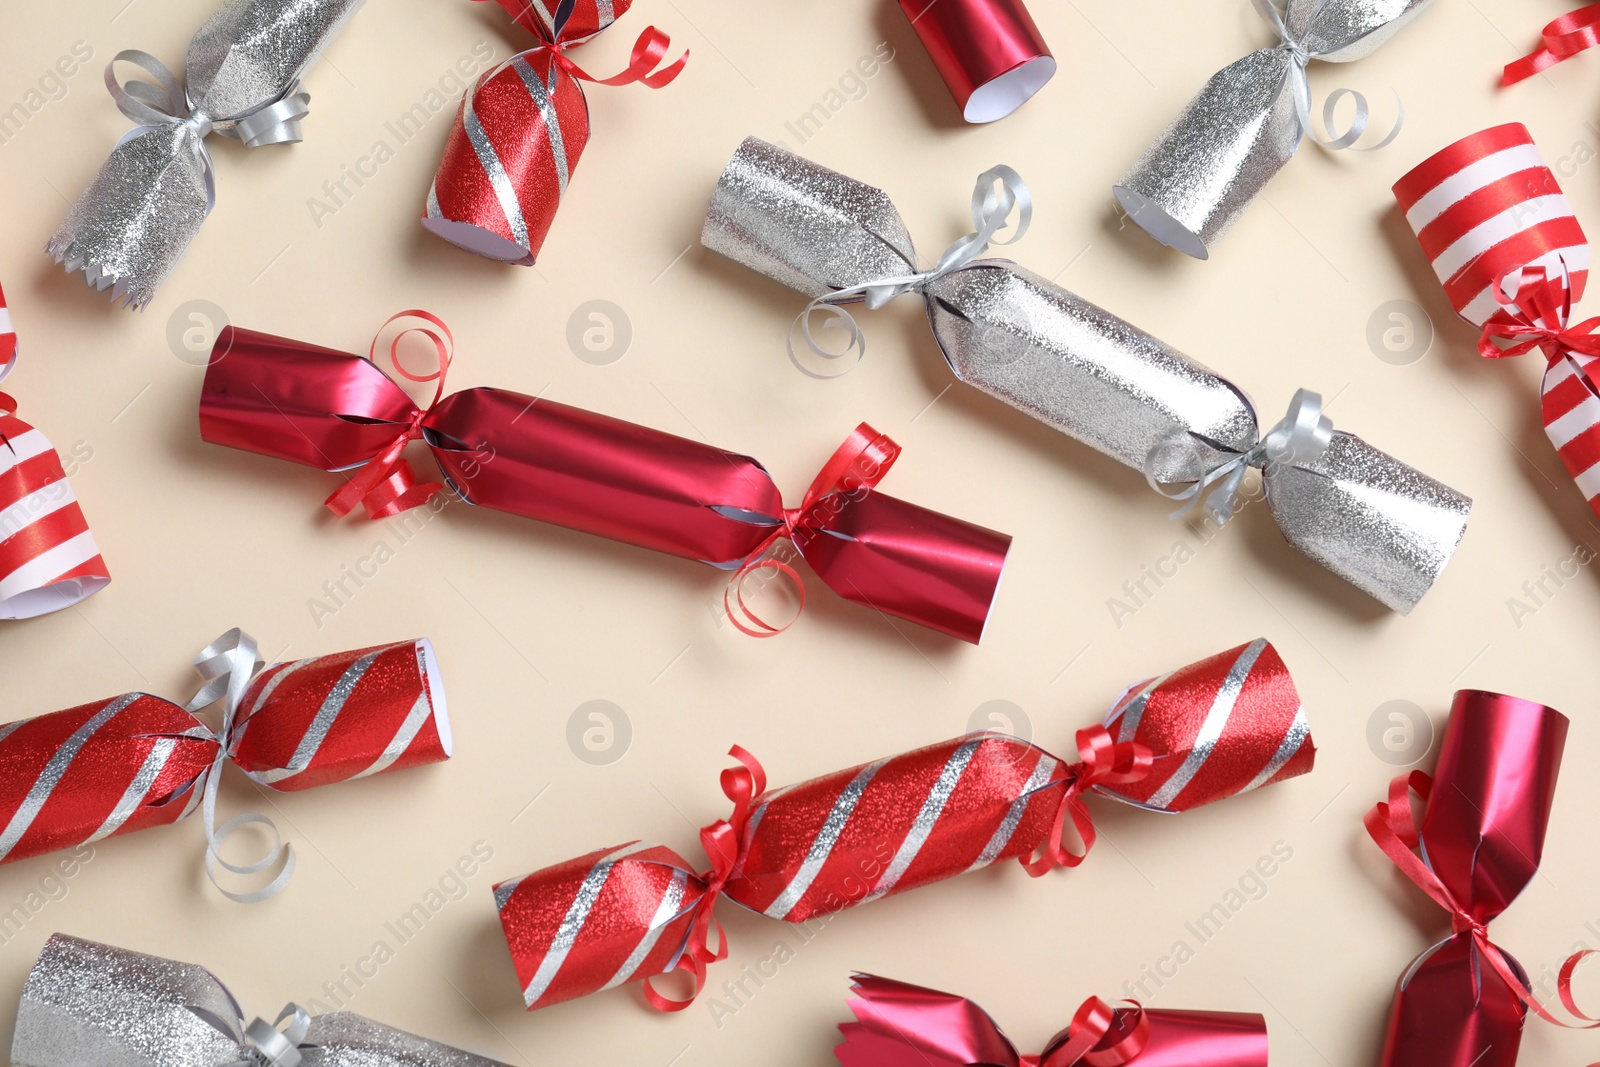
{"x": 1301, "y": 436}
{"x": 165, "y": 102}
{"x": 998, "y": 192}
{"x": 228, "y": 665}
{"x": 1301, "y": 79}
{"x": 264, "y": 1044}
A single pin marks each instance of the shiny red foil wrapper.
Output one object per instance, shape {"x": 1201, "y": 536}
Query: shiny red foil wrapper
{"x": 1483, "y": 832}
{"x": 136, "y": 760}
{"x": 902, "y": 1025}
{"x": 852, "y": 837}
{"x": 989, "y": 52}
{"x": 574, "y": 468}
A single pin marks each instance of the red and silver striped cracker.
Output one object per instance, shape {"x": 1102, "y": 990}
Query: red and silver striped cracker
{"x": 8, "y": 339}
{"x": 1485, "y": 208}
{"x": 1219, "y": 727}
{"x": 100, "y": 769}
{"x": 613, "y": 916}
{"x": 333, "y": 718}
{"x": 895, "y": 824}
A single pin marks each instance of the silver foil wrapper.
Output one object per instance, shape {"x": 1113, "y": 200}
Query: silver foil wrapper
{"x": 1193, "y": 183}
{"x": 132, "y": 224}
{"x": 1379, "y": 524}
{"x": 91, "y": 1005}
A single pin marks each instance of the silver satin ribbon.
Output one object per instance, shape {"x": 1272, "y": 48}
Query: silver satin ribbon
{"x": 166, "y": 103}
{"x": 999, "y": 191}
{"x": 264, "y": 1044}
{"x": 228, "y": 665}
{"x": 1302, "y": 436}
{"x": 1301, "y": 79}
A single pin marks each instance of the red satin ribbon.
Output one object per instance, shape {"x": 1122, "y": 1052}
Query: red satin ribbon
{"x": 1561, "y": 39}
{"x": 1540, "y": 299}
{"x": 1079, "y": 1041}
{"x": 724, "y": 843}
{"x": 858, "y": 464}
{"x": 8, "y": 404}
{"x": 1392, "y": 824}
{"x": 386, "y": 484}
{"x": 1104, "y": 762}
{"x": 648, "y": 50}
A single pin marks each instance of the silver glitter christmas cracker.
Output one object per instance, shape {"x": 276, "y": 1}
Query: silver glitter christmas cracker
{"x": 132, "y": 224}
{"x": 1193, "y": 183}
{"x": 1376, "y": 522}
{"x": 86, "y": 1003}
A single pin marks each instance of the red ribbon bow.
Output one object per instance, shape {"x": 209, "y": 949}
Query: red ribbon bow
{"x": 1105, "y": 762}
{"x": 649, "y": 50}
{"x": 386, "y": 484}
{"x": 1078, "y": 1043}
{"x": 857, "y": 465}
{"x": 1544, "y": 304}
{"x": 1562, "y": 39}
{"x": 1392, "y": 825}
{"x": 724, "y": 842}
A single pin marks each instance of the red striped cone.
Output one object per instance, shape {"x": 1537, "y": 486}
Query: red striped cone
{"x": 1488, "y": 211}
{"x": 349, "y": 715}
{"x": 613, "y": 916}
{"x": 48, "y": 557}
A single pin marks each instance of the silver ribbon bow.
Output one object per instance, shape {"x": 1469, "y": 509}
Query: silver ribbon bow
{"x": 999, "y": 192}
{"x": 166, "y": 103}
{"x": 265, "y": 1044}
{"x": 228, "y": 665}
{"x": 1301, "y": 79}
{"x": 1302, "y": 436}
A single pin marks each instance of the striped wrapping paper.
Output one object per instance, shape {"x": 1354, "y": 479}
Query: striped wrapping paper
{"x": 517, "y": 138}
{"x": 132, "y": 761}
{"x": 1216, "y": 728}
{"x": 1485, "y": 209}
{"x": 48, "y": 557}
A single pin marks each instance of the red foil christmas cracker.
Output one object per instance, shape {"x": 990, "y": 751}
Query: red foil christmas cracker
{"x": 1513, "y": 260}
{"x": 523, "y": 125}
{"x": 133, "y": 761}
{"x": 48, "y": 557}
{"x": 989, "y": 52}
{"x": 578, "y": 469}
{"x": 1203, "y": 733}
{"x": 901, "y": 1025}
{"x": 1462, "y": 1002}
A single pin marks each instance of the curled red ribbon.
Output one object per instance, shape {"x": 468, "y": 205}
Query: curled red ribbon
{"x": 1544, "y": 305}
{"x": 1392, "y": 825}
{"x": 1104, "y": 762}
{"x": 1561, "y": 39}
{"x": 856, "y": 465}
{"x": 1079, "y": 1042}
{"x": 648, "y": 51}
{"x": 386, "y": 484}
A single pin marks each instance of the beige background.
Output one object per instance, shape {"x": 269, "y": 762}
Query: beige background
{"x": 531, "y": 622}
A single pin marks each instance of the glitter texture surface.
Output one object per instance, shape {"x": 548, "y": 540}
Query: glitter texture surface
{"x": 251, "y": 51}
{"x": 92, "y": 1005}
{"x": 1191, "y": 185}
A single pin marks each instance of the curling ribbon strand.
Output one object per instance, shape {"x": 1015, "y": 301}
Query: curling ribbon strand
{"x": 386, "y": 484}
{"x": 1544, "y": 304}
{"x": 1561, "y": 39}
{"x": 1104, "y": 762}
{"x": 1301, "y": 79}
{"x": 1392, "y": 825}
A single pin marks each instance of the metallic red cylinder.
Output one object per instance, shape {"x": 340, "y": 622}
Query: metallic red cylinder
{"x": 989, "y": 52}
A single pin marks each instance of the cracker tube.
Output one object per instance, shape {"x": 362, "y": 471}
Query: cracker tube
{"x": 585, "y": 471}
{"x": 1513, "y": 261}
{"x": 48, "y": 557}
{"x": 86, "y": 1002}
{"x": 902, "y": 1025}
{"x": 129, "y": 228}
{"x": 134, "y": 761}
{"x": 989, "y": 52}
{"x": 1461, "y": 1003}
{"x": 522, "y": 126}
{"x": 1203, "y": 733}
{"x": 1198, "y": 177}
{"x": 1378, "y": 523}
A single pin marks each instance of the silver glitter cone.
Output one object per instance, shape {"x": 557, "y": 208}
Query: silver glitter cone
{"x": 132, "y": 224}
{"x": 1369, "y": 518}
{"x": 1384, "y": 527}
{"x": 1192, "y": 184}
{"x": 91, "y": 1005}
